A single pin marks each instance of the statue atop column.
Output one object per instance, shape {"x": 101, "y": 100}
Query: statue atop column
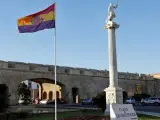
{"x": 111, "y": 13}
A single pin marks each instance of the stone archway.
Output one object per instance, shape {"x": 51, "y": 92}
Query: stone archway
{"x": 3, "y": 97}
{"x": 50, "y": 95}
{"x": 75, "y": 94}
{"x": 13, "y": 77}
{"x": 57, "y": 94}
{"x": 47, "y": 85}
{"x": 44, "y": 95}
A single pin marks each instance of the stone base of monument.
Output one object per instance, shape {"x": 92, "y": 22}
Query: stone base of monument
{"x": 114, "y": 95}
{"x": 121, "y": 112}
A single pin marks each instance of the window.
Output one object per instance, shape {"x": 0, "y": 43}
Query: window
{"x": 10, "y": 65}
{"x": 94, "y": 73}
{"x": 50, "y": 95}
{"x": 66, "y": 70}
{"x": 50, "y": 68}
{"x": 81, "y": 72}
{"x": 153, "y": 98}
{"x": 44, "y": 95}
{"x": 31, "y": 67}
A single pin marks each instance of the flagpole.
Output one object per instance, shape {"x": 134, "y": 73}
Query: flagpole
{"x": 55, "y": 70}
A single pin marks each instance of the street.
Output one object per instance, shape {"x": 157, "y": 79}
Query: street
{"x": 155, "y": 109}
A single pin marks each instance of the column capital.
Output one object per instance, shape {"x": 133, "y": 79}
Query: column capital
{"x": 111, "y": 25}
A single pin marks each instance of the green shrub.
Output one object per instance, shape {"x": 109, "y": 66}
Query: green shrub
{"x": 100, "y": 100}
{"x": 125, "y": 96}
{"x": 138, "y": 97}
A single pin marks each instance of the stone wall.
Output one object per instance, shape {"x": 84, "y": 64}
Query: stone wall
{"x": 88, "y": 81}
{"x": 70, "y": 70}
{"x": 157, "y": 88}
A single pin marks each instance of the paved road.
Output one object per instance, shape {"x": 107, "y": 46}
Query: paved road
{"x": 148, "y": 109}
{"x": 138, "y": 108}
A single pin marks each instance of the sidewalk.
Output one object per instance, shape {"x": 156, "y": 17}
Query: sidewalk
{"x": 51, "y": 111}
{"x": 139, "y": 112}
{"x": 149, "y": 113}
{"x": 81, "y": 108}
{"x": 68, "y": 108}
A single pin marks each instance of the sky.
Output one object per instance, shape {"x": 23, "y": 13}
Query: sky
{"x": 82, "y": 40}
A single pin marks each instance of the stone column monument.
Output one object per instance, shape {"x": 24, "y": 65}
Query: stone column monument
{"x": 113, "y": 92}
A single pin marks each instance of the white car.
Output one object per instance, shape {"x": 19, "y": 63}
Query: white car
{"x": 144, "y": 101}
{"x": 20, "y": 101}
{"x": 45, "y": 101}
{"x": 24, "y": 101}
{"x": 130, "y": 101}
{"x": 151, "y": 100}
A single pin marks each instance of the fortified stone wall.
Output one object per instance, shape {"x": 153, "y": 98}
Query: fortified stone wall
{"x": 88, "y": 81}
{"x": 71, "y": 70}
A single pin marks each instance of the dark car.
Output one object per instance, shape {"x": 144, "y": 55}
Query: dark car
{"x": 88, "y": 101}
{"x": 59, "y": 101}
{"x": 62, "y": 101}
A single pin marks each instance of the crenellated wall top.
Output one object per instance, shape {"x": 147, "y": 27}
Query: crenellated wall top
{"x": 70, "y": 70}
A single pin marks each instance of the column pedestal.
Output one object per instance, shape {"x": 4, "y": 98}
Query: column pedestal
{"x": 113, "y": 96}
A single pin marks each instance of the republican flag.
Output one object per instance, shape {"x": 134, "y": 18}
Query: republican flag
{"x": 44, "y": 19}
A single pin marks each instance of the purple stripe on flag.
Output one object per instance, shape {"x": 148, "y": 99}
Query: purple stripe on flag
{"x": 34, "y": 28}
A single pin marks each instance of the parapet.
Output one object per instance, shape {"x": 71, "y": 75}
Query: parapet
{"x": 146, "y": 77}
{"x": 71, "y": 70}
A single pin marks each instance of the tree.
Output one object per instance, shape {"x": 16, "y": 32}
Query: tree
{"x": 144, "y": 95}
{"x": 100, "y": 100}
{"x": 125, "y": 96}
{"x": 23, "y": 91}
{"x": 138, "y": 97}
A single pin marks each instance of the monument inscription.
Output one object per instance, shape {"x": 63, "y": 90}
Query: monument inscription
{"x": 122, "y": 112}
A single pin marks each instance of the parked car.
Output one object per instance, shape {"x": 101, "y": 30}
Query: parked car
{"x": 144, "y": 101}
{"x": 62, "y": 101}
{"x": 130, "y": 101}
{"x": 45, "y": 101}
{"x": 59, "y": 101}
{"x": 151, "y": 100}
{"x": 88, "y": 101}
{"x": 24, "y": 101}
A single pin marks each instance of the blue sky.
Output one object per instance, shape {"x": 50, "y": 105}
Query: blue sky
{"x": 82, "y": 40}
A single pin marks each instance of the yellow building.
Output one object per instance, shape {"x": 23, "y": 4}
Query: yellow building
{"x": 48, "y": 91}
